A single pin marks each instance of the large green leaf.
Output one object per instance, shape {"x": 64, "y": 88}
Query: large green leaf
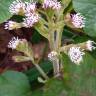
{"x": 88, "y": 9}
{"x": 55, "y": 87}
{"x": 14, "y": 84}
{"x": 82, "y": 80}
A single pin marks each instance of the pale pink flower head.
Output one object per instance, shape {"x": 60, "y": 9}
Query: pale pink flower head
{"x": 76, "y": 55}
{"x": 78, "y": 20}
{"x": 90, "y": 45}
{"x": 17, "y": 7}
{"x": 52, "y": 55}
{"x": 30, "y": 7}
{"x": 13, "y": 43}
{"x": 54, "y": 4}
{"x": 30, "y": 20}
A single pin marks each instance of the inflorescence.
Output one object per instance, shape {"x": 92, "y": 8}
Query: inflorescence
{"x": 76, "y": 55}
{"x": 52, "y": 55}
{"x": 13, "y": 43}
{"x": 28, "y": 9}
{"x": 78, "y": 20}
{"x": 90, "y": 45}
{"x": 54, "y": 4}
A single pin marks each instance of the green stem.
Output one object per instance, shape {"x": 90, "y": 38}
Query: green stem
{"x": 41, "y": 71}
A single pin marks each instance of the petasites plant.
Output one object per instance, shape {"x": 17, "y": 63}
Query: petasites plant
{"x": 49, "y": 18}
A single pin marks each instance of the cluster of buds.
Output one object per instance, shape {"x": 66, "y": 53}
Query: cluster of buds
{"x": 54, "y": 4}
{"x": 52, "y": 55}
{"x": 12, "y": 25}
{"x": 90, "y": 45}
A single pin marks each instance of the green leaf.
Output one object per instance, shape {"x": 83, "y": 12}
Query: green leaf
{"x": 88, "y": 9}
{"x": 82, "y": 78}
{"x": 4, "y": 10}
{"x": 14, "y": 84}
{"x": 55, "y": 87}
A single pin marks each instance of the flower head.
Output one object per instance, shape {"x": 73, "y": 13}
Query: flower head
{"x": 13, "y": 43}
{"x": 52, "y": 55}
{"x": 30, "y": 7}
{"x": 17, "y": 7}
{"x": 54, "y": 4}
{"x": 78, "y": 20}
{"x": 30, "y": 20}
{"x": 76, "y": 54}
{"x": 90, "y": 45}
{"x": 10, "y": 25}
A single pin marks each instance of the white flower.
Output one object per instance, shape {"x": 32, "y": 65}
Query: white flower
{"x": 14, "y": 43}
{"x": 90, "y": 45}
{"x": 54, "y": 4}
{"x": 30, "y": 20}
{"x": 30, "y": 7}
{"x": 78, "y": 20}
{"x": 76, "y": 54}
{"x": 52, "y": 55}
{"x": 17, "y": 7}
{"x": 10, "y": 25}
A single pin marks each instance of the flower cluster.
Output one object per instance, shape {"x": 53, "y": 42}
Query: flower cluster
{"x": 78, "y": 20}
{"x": 54, "y": 4}
{"x": 14, "y": 43}
{"x": 29, "y": 21}
{"x": 10, "y": 25}
{"x": 30, "y": 7}
{"x": 52, "y": 55}
{"x": 17, "y": 7}
{"x": 76, "y": 55}
{"x": 27, "y": 9}
{"x": 90, "y": 45}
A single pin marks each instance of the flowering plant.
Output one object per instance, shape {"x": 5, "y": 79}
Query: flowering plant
{"x": 50, "y": 18}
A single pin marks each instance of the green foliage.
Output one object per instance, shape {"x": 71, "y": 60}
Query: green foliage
{"x": 78, "y": 80}
{"x": 88, "y": 9}
{"x": 55, "y": 87}
{"x": 14, "y": 84}
{"x": 4, "y": 10}
{"x": 33, "y": 74}
{"x": 82, "y": 80}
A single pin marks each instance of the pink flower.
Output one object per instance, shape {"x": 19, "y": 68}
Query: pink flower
{"x": 30, "y": 20}
{"x": 54, "y": 4}
{"x": 78, "y": 20}
{"x": 14, "y": 43}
